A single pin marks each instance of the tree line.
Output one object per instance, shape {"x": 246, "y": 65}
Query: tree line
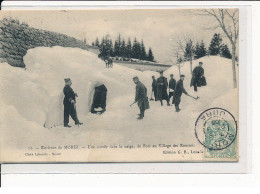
{"x": 122, "y": 48}
{"x": 199, "y": 49}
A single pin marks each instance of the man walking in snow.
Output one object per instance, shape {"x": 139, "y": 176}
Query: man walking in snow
{"x": 197, "y": 74}
{"x": 154, "y": 88}
{"x": 141, "y": 97}
{"x": 179, "y": 89}
{"x": 162, "y": 85}
{"x": 69, "y": 103}
{"x": 172, "y": 85}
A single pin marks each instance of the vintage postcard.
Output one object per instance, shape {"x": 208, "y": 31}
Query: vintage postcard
{"x": 123, "y": 85}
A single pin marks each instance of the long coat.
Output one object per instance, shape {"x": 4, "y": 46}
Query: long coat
{"x": 197, "y": 73}
{"x": 179, "y": 89}
{"x": 154, "y": 88}
{"x": 162, "y": 85}
{"x": 172, "y": 84}
{"x": 69, "y": 94}
{"x": 141, "y": 96}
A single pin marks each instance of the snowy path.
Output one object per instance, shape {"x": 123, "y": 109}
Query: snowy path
{"x": 28, "y": 96}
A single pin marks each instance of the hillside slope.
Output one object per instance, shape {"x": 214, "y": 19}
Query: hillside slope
{"x": 33, "y": 97}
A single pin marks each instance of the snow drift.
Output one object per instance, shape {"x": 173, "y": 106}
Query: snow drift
{"x": 32, "y": 99}
{"x": 43, "y": 82}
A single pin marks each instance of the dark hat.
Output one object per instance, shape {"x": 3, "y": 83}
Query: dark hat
{"x": 182, "y": 75}
{"x": 171, "y": 75}
{"x": 200, "y": 62}
{"x": 135, "y": 78}
{"x": 161, "y": 72}
{"x": 67, "y": 79}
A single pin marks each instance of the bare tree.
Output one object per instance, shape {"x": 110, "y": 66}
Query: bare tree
{"x": 177, "y": 54}
{"x": 182, "y": 45}
{"x": 228, "y": 21}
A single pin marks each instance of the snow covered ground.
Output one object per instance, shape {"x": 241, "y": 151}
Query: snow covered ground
{"x": 33, "y": 97}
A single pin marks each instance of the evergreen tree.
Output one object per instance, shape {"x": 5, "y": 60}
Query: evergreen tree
{"x": 203, "y": 50}
{"x": 97, "y": 42}
{"x": 123, "y": 48}
{"x": 197, "y": 51}
{"x": 136, "y": 49}
{"x": 150, "y": 56}
{"x": 111, "y": 49}
{"x": 143, "y": 52}
{"x": 119, "y": 45}
{"x": 200, "y": 50}
{"x": 106, "y": 47}
{"x": 225, "y": 52}
{"x": 129, "y": 48}
{"x": 84, "y": 41}
{"x": 215, "y": 45}
{"x": 189, "y": 50}
{"x": 116, "y": 49}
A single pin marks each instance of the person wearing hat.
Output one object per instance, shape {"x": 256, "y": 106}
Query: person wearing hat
{"x": 69, "y": 104}
{"x": 179, "y": 89}
{"x": 172, "y": 85}
{"x": 162, "y": 85}
{"x": 141, "y": 97}
{"x": 197, "y": 74}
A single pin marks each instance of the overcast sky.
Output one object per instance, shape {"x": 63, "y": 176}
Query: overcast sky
{"x": 157, "y": 28}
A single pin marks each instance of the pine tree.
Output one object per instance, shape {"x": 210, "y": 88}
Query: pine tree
{"x": 150, "y": 56}
{"x": 84, "y": 41}
{"x": 197, "y": 51}
{"x": 200, "y": 50}
{"x": 215, "y": 45}
{"x": 135, "y": 49}
{"x": 189, "y": 50}
{"x": 116, "y": 49}
{"x": 106, "y": 47}
{"x": 97, "y": 42}
{"x": 225, "y": 52}
{"x": 123, "y": 49}
{"x": 143, "y": 52}
{"x": 119, "y": 45}
{"x": 203, "y": 50}
{"x": 129, "y": 48}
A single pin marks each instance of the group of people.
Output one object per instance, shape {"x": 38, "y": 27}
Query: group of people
{"x": 159, "y": 88}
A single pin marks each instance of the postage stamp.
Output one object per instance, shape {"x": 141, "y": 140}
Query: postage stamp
{"x": 216, "y": 130}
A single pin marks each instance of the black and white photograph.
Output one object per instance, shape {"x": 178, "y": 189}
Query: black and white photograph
{"x": 122, "y": 85}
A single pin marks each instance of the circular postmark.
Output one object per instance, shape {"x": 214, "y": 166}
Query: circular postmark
{"x": 216, "y": 128}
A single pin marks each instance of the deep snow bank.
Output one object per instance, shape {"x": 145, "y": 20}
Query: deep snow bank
{"x": 37, "y": 92}
{"x": 33, "y": 97}
{"x": 219, "y": 91}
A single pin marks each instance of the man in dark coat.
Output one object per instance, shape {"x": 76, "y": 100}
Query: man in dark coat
{"x": 197, "y": 74}
{"x": 154, "y": 88}
{"x": 162, "y": 85}
{"x": 69, "y": 103}
{"x": 141, "y": 97}
{"x": 99, "y": 98}
{"x": 172, "y": 85}
{"x": 179, "y": 89}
